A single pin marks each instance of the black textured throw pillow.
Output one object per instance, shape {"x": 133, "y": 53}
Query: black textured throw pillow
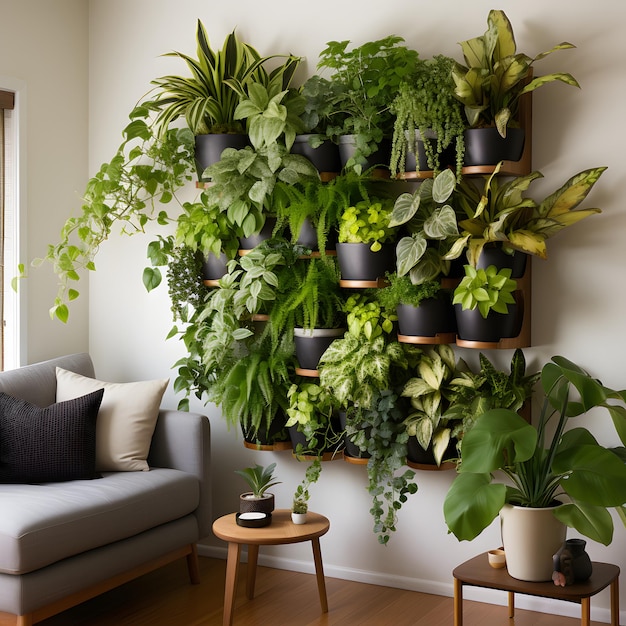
{"x": 52, "y": 444}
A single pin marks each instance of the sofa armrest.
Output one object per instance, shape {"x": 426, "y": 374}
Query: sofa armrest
{"x": 182, "y": 441}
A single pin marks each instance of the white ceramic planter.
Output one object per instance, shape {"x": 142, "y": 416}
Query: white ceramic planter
{"x": 530, "y": 537}
{"x": 298, "y": 518}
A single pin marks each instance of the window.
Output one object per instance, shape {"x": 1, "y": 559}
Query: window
{"x": 8, "y": 231}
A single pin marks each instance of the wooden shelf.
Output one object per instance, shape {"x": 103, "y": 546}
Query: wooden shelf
{"x": 523, "y": 298}
{"x": 379, "y": 283}
{"x": 308, "y": 373}
{"x": 437, "y": 339}
{"x": 325, "y": 456}
{"x": 444, "y": 467}
{"x": 274, "y": 447}
{"x": 318, "y": 255}
{"x": 213, "y": 282}
{"x": 354, "y": 460}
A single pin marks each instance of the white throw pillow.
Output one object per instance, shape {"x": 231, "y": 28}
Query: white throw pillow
{"x": 126, "y": 419}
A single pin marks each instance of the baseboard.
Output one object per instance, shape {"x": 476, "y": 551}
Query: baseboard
{"x": 488, "y": 596}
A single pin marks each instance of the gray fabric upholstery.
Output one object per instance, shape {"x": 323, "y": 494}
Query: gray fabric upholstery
{"x": 73, "y": 535}
{"x": 41, "y": 524}
{"x": 37, "y": 383}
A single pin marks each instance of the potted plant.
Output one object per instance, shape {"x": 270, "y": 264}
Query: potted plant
{"x": 313, "y": 427}
{"x": 364, "y": 249}
{"x": 554, "y": 460}
{"x": 434, "y": 432}
{"x": 209, "y": 97}
{"x": 432, "y": 228}
{"x": 259, "y": 479}
{"x": 300, "y": 503}
{"x": 490, "y": 86}
{"x": 423, "y": 310}
{"x": 317, "y": 143}
{"x": 312, "y": 309}
{"x": 367, "y": 79}
{"x": 429, "y": 122}
{"x": 485, "y": 306}
{"x": 499, "y": 214}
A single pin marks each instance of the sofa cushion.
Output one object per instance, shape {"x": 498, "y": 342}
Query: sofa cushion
{"x": 126, "y": 421}
{"x": 55, "y": 443}
{"x": 42, "y": 524}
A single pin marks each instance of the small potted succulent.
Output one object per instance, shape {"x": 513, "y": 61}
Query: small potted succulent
{"x": 259, "y": 479}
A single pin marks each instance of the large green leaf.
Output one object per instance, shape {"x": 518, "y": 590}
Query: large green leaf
{"x": 472, "y": 503}
{"x": 591, "y": 521}
{"x": 498, "y": 438}
{"x": 409, "y": 251}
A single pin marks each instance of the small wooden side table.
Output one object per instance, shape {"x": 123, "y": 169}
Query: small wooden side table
{"x": 478, "y": 573}
{"x": 281, "y": 531}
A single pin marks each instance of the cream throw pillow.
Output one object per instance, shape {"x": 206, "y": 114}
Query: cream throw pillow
{"x": 126, "y": 419}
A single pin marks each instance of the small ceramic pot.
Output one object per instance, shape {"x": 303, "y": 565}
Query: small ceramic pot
{"x": 298, "y": 518}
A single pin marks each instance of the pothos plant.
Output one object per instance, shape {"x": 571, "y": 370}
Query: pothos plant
{"x": 384, "y": 438}
{"x": 367, "y": 221}
{"x": 127, "y": 192}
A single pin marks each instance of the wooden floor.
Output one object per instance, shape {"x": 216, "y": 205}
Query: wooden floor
{"x": 283, "y": 598}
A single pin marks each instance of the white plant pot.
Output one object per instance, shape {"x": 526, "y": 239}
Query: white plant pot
{"x": 298, "y": 518}
{"x": 530, "y": 537}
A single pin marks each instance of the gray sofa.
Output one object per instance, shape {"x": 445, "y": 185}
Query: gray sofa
{"x": 65, "y": 542}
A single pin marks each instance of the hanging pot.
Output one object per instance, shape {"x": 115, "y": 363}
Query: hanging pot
{"x": 213, "y": 267}
{"x": 209, "y": 148}
{"x": 251, "y": 242}
{"x": 530, "y": 538}
{"x": 492, "y": 254}
{"x": 418, "y": 161}
{"x": 311, "y": 343}
{"x": 485, "y": 146}
{"x": 351, "y": 450}
{"x": 379, "y": 158}
{"x": 472, "y": 326}
{"x": 433, "y": 316}
{"x": 358, "y": 262}
{"x": 275, "y": 437}
{"x": 417, "y": 454}
{"x": 325, "y": 157}
{"x": 307, "y": 237}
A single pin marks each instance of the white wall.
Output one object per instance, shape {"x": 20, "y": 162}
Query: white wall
{"x": 578, "y": 293}
{"x": 43, "y": 53}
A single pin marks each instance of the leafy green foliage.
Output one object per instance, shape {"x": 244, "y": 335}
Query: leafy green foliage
{"x": 365, "y": 81}
{"x": 259, "y": 478}
{"x": 426, "y": 103}
{"x": 367, "y": 221}
{"x": 301, "y": 495}
{"x": 544, "y": 461}
{"x": 487, "y": 289}
{"x": 402, "y": 291}
{"x": 145, "y": 173}
{"x": 494, "y": 76}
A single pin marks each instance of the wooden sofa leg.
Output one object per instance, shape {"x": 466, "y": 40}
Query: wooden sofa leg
{"x": 24, "y": 620}
{"x": 192, "y": 566}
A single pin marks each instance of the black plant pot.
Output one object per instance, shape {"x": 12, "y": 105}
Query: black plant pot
{"x": 485, "y": 146}
{"x": 298, "y": 439}
{"x": 213, "y": 268}
{"x": 492, "y": 254}
{"x": 350, "y": 449}
{"x": 472, "y": 326}
{"x": 312, "y": 343}
{"x": 265, "y": 437}
{"x": 307, "y": 237}
{"x": 209, "y": 148}
{"x": 433, "y": 316}
{"x": 325, "y": 157}
{"x": 251, "y": 242}
{"x": 446, "y": 159}
{"x": 416, "y": 454}
{"x": 358, "y": 262}
{"x": 379, "y": 158}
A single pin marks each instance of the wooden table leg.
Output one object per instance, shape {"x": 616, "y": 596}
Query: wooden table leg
{"x": 615, "y": 602}
{"x": 232, "y": 567}
{"x": 253, "y": 557}
{"x": 511, "y": 604}
{"x": 319, "y": 573}
{"x": 585, "y": 611}
{"x": 458, "y": 602}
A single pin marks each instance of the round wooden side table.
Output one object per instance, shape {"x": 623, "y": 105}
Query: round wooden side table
{"x": 281, "y": 531}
